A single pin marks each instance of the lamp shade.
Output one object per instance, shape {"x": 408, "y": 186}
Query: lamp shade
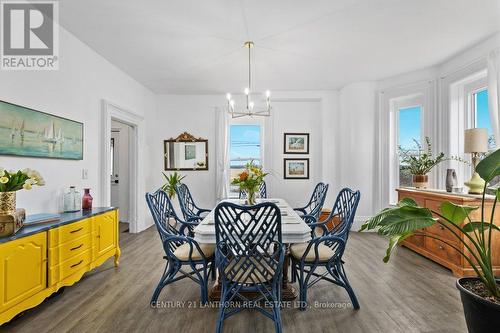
{"x": 476, "y": 140}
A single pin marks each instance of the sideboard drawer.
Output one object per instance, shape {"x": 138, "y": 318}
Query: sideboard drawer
{"x": 70, "y": 266}
{"x": 443, "y": 251}
{"x": 69, "y": 249}
{"x": 69, "y": 232}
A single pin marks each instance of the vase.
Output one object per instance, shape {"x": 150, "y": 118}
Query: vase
{"x": 11, "y": 219}
{"x": 87, "y": 199}
{"x": 420, "y": 181}
{"x": 251, "y": 197}
{"x": 72, "y": 200}
{"x": 7, "y": 202}
{"x": 451, "y": 179}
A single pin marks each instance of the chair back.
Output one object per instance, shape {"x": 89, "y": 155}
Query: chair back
{"x": 345, "y": 210}
{"x": 262, "y": 191}
{"x": 186, "y": 202}
{"x": 317, "y": 200}
{"x": 249, "y": 243}
{"x": 162, "y": 211}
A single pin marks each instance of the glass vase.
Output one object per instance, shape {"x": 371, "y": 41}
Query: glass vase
{"x": 87, "y": 199}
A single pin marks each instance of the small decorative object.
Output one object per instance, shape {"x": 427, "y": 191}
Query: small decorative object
{"x": 451, "y": 179}
{"x": 72, "y": 200}
{"x": 421, "y": 161}
{"x": 296, "y": 168}
{"x": 249, "y": 180}
{"x": 296, "y": 143}
{"x": 172, "y": 181}
{"x": 480, "y": 294}
{"x": 27, "y": 132}
{"x": 12, "y": 218}
{"x": 185, "y": 153}
{"x": 87, "y": 199}
{"x": 475, "y": 143}
{"x": 41, "y": 219}
{"x": 457, "y": 189}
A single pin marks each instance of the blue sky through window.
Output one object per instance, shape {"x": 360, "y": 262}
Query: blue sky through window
{"x": 244, "y": 144}
{"x": 409, "y": 127}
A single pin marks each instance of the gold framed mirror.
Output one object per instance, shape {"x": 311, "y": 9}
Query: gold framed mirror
{"x": 186, "y": 152}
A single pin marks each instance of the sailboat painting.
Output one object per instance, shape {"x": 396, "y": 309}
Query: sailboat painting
{"x": 27, "y": 132}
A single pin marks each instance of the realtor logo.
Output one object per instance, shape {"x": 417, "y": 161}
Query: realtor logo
{"x": 29, "y": 35}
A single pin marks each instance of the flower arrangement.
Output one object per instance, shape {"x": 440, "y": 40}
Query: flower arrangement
{"x": 249, "y": 180}
{"x": 11, "y": 181}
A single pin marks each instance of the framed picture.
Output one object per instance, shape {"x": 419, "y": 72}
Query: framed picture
{"x": 296, "y": 143}
{"x": 296, "y": 168}
{"x": 189, "y": 152}
{"x": 32, "y": 133}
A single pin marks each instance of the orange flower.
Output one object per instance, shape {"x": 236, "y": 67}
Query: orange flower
{"x": 243, "y": 176}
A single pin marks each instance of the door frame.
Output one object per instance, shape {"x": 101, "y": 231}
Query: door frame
{"x": 111, "y": 111}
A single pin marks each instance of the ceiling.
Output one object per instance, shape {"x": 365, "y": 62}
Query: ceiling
{"x": 195, "y": 46}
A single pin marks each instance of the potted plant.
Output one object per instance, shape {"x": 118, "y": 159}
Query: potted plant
{"x": 480, "y": 295}
{"x": 249, "y": 180}
{"x": 420, "y": 164}
{"x": 173, "y": 180}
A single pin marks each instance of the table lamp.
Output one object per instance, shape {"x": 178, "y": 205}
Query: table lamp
{"x": 475, "y": 143}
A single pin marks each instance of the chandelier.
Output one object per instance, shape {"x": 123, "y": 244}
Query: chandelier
{"x": 249, "y": 108}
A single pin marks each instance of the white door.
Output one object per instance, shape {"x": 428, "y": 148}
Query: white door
{"x": 119, "y": 169}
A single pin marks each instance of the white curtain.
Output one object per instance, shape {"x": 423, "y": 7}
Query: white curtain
{"x": 222, "y": 153}
{"x": 494, "y": 93}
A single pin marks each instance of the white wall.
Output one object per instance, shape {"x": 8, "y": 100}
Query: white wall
{"x": 296, "y": 112}
{"x": 75, "y": 91}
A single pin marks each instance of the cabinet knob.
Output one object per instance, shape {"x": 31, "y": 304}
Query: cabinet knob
{"x": 441, "y": 247}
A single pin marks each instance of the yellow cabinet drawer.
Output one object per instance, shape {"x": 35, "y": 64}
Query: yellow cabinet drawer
{"x": 69, "y": 249}
{"x": 23, "y": 269}
{"x": 69, "y": 232}
{"x": 70, "y": 266}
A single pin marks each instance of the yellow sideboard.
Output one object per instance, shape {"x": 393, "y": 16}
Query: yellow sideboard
{"x": 37, "y": 265}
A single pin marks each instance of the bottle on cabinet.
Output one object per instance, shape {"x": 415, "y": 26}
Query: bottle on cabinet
{"x": 72, "y": 200}
{"x": 87, "y": 199}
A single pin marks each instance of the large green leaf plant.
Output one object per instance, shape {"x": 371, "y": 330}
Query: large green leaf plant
{"x": 404, "y": 220}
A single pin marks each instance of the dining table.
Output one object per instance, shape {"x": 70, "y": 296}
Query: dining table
{"x": 293, "y": 230}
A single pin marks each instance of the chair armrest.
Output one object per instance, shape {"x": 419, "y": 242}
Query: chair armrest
{"x": 301, "y": 210}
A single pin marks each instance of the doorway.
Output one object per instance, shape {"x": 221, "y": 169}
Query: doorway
{"x": 120, "y": 171}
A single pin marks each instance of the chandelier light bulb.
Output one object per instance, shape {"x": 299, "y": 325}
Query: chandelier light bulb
{"x": 251, "y": 105}
{"x": 268, "y": 93}
{"x": 231, "y": 102}
{"x": 247, "y": 91}
{"x": 228, "y": 96}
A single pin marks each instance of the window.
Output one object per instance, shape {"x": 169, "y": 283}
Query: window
{"x": 244, "y": 146}
{"x": 481, "y": 116}
{"x": 409, "y": 139}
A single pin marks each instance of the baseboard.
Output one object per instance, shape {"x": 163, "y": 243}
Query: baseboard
{"x": 358, "y": 222}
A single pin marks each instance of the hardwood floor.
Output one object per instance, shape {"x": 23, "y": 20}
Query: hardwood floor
{"x": 410, "y": 294}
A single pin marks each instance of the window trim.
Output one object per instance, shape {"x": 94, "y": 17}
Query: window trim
{"x": 245, "y": 121}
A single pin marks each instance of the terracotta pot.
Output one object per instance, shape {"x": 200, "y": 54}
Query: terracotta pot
{"x": 481, "y": 315}
{"x": 7, "y": 202}
{"x": 420, "y": 181}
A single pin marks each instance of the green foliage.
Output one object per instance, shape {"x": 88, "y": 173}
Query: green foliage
{"x": 422, "y": 163}
{"x": 173, "y": 180}
{"x": 406, "y": 219}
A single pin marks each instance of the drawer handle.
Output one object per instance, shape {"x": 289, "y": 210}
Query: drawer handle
{"x": 76, "y": 247}
{"x": 76, "y": 230}
{"x": 441, "y": 227}
{"x": 76, "y": 264}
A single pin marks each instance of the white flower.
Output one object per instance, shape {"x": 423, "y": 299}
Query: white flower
{"x": 30, "y": 181}
{"x": 40, "y": 182}
{"x": 27, "y": 186}
{"x": 4, "y": 180}
{"x": 2, "y": 172}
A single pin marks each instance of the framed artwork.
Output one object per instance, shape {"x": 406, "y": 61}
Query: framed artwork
{"x": 296, "y": 168}
{"x": 296, "y": 143}
{"x": 32, "y": 133}
{"x": 189, "y": 152}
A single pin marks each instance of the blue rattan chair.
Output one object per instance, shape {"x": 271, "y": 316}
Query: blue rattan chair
{"x": 326, "y": 250}
{"x": 249, "y": 257}
{"x": 190, "y": 211}
{"x": 262, "y": 192}
{"x": 180, "y": 249}
{"x": 311, "y": 212}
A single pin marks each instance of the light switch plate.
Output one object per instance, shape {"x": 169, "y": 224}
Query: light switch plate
{"x": 85, "y": 174}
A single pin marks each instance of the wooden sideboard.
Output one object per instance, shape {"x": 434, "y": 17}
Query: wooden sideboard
{"x": 38, "y": 260}
{"x": 439, "y": 251}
